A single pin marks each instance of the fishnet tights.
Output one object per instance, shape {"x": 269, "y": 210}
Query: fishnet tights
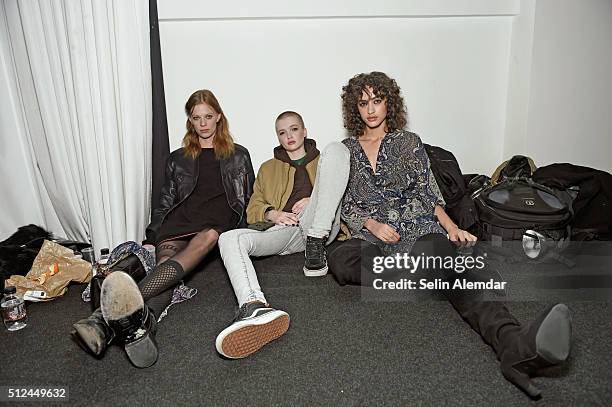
{"x": 176, "y": 259}
{"x": 158, "y": 286}
{"x": 164, "y": 277}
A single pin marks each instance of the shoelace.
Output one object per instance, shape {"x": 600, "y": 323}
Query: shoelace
{"x": 137, "y": 335}
{"x": 132, "y": 326}
{"x": 315, "y": 249}
{"x": 242, "y": 311}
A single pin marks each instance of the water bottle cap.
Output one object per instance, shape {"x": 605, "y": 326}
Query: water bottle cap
{"x": 11, "y": 289}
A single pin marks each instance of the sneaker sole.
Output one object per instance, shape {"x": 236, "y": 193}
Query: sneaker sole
{"x": 315, "y": 273}
{"x": 554, "y": 335}
{"x": 241, "y": 340}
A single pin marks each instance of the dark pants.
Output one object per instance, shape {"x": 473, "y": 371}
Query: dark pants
{"x": 351, "y": 263}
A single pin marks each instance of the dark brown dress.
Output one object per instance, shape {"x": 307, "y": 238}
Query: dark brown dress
{"x": 206, "y": 207}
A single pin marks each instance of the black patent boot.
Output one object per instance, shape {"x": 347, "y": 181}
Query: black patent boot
{"x": 126, "y": 313}
{"x": 543, "y": 343}
{"x": 93, "y": 334}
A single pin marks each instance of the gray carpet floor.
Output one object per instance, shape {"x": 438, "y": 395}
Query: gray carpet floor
{"x": 340, "y": 350}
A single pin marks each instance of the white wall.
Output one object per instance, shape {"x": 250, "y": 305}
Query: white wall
{"x": 483, "y": 78}
{"x": 184, "y": 10}
{"x": 570, "y": 106}
{"x": 519, "y": 80}
{"x": 450, "y": 58}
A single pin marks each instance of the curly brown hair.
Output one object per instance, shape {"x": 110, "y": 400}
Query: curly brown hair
{"x": 223, "y": 143}
{"x": 383, "y": 87}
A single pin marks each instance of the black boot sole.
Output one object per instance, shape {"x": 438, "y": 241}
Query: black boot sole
{"x": 554, "y": 335}
{"x": 143, "y": 351}
{"x": 552, "y": 342}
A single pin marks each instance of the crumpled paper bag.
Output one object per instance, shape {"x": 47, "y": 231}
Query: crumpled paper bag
{"x": 53, "y": 269}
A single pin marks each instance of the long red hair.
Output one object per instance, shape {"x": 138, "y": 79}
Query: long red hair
{"x": 223, "y": 143}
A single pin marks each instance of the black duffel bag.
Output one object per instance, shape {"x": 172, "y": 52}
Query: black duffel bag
{"x": 515, "y": 205}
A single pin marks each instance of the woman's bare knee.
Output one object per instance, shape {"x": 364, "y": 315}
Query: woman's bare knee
{"x": 161, "y": 259}
{"x": 206, "y": 239}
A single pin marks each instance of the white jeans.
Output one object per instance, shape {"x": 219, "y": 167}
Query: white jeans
{"x": 320, "y": 218}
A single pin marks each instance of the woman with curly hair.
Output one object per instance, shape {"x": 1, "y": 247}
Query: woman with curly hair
{"x": 375, "y": 116}
{"x": 208, "y": 184}
{"x": 392, "y": 204}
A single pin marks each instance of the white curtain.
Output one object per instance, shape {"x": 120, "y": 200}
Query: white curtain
{"x": 84, "y": 85}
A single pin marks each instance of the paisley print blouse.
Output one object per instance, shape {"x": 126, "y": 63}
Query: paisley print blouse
{"x": 401, "y": 193}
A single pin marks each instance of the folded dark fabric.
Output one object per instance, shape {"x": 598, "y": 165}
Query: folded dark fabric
{"x": 593, "y": 204}
{"x": 17, "y": 253}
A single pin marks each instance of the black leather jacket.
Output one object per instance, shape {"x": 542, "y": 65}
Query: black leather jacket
{"x": 182, "y": 177}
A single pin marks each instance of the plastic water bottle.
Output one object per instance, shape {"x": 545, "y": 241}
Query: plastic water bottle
{"x": 13, "y": 310}
{"x": 104, "y": 256}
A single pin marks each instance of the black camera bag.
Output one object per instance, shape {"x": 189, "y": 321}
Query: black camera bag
{"x": 508, "y": 209}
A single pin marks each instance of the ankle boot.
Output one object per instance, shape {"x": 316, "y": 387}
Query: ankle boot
{"x": 93, "y": 334}
{"x": 542, "y": 343}
{"x": 125, "y": 312}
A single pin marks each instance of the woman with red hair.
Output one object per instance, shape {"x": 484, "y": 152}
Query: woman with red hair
{"x": 207, "y": 187}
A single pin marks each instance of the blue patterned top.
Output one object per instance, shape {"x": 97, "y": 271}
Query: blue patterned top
{"x": 401, "y": 193}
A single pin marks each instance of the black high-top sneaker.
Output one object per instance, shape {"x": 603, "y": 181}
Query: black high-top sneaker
{"x": 316, "y": 257}
{"x": 126, "y": 313}
{"x": 93, "y": 334}
{"x": 255, "y": 325}
{"x": 542, "y": 343}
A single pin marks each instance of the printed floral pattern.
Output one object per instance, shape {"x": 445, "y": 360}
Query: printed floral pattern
{"x": 402, "y": 193}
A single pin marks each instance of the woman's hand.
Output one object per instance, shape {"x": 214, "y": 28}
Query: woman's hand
{"x": 282, "y": 218}
{"x": 382, "y": 231}
{"x": 299, "y": 206}
{"x": 461, "y": 237}
{"x": 458, "y": 236}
